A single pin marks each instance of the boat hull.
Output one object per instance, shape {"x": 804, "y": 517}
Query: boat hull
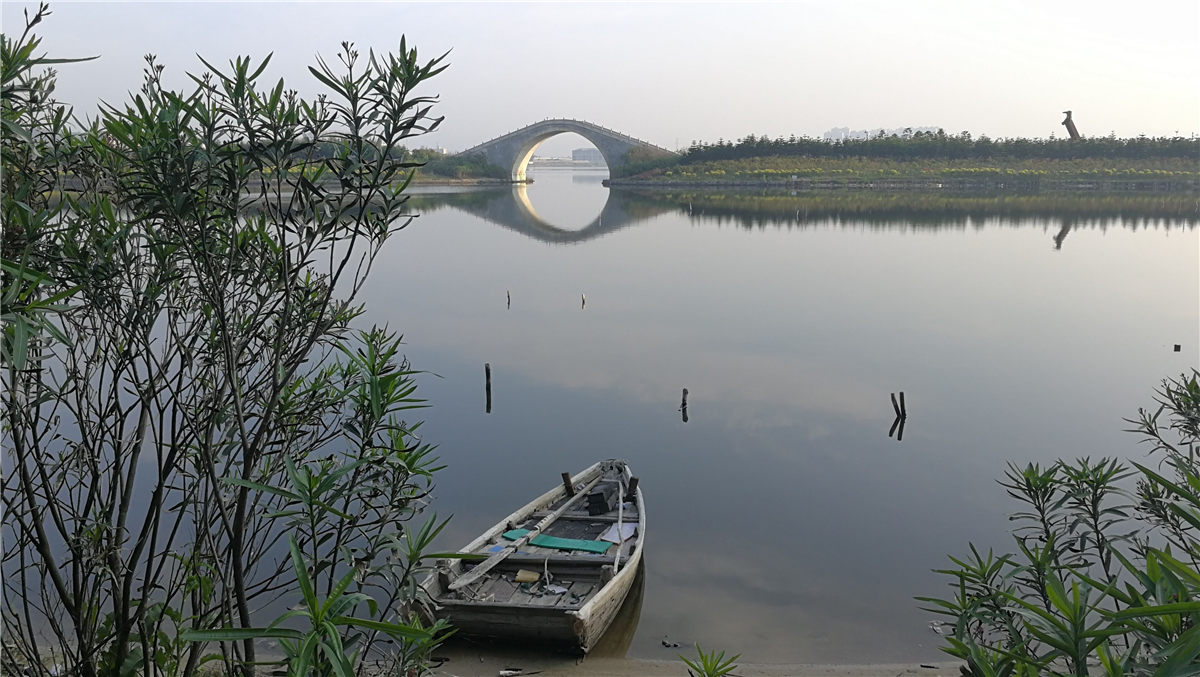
{"x": 545, "y": 618}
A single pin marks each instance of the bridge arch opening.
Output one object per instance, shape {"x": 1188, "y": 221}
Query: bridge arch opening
{"x": 559, "y": 144}
{"x": 560, "y": 193}
{"x": 567, "y": 150}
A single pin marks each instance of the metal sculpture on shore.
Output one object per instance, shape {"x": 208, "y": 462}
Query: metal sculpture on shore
{"x": 1070, "y": 125}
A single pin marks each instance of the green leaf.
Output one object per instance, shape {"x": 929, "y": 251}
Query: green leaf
{"x": 262, "y": 67}
{"x": 238, "y": 634}
{"x": 306, "y": 586}
{"x": 11, "y": 127}
{"x": 1158, "y": 610}
{"x": 1181, "y": 656}
{"x": 337, "y": 591}
{"x": 462, "y": 555}
{"x": 391, "y": 629}
{"x": 305, "y": 655}
{"x": 266, "y": 489}
{"x": 327, "y": 81}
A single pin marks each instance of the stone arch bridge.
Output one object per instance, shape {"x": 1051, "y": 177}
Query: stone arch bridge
{"x": 513, "y": 150}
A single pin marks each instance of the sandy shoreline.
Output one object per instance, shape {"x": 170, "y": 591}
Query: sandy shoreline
{"x": 466, "y": 661}
{"x": 615, "y": 667}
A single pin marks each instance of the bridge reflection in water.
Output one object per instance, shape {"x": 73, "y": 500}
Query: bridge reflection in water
{"x": 511, "y": 208}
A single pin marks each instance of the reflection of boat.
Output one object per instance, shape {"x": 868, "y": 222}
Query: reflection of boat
{"x": 553, "y": 570}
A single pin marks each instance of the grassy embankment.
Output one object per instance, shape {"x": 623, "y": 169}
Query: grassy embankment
{"x": 932, "y": 160}
{"x": 429, "y": 165}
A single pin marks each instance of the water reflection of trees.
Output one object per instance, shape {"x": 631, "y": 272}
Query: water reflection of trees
{"x": 509, "y": 208}
{"x": 930, "y": 210}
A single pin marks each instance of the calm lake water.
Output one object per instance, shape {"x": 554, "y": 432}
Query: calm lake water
{"x": 784, "y": 523}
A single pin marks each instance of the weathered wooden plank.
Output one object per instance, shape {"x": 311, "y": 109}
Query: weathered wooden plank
{"x": 501, "y": 588}
{"x": 630, "y": 516}
{"x": 550, "y": 598}
{"x": 585, "y": 531}
{"x": 523, "y": 597}
{"x": 533, "y": 623}
{"x": 557, "y": 559}
{"x": 492, "y": 561}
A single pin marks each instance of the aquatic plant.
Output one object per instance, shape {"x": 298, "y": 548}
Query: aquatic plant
{"x": 710, "y": 664}
{"x": 1106, "y": 577}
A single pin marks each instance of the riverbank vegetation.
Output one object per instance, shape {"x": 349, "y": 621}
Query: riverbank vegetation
{"x": 940, "y": 145}
{"x": 428, "y": 165}
{"x": 1106, "y": 575}
{"x": 846, "y": 169}
{"x": 459, "y": 167}
{"x": 204, "y": 451}
{"x": 930, "y": 157}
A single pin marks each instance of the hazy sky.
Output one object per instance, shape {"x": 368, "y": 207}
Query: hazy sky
{"x": 673, "y": 72}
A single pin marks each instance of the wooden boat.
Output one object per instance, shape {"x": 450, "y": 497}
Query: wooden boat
{"x": 546, "y": 573}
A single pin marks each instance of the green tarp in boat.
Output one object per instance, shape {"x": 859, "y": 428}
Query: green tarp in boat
{"x": 544, "y": 541}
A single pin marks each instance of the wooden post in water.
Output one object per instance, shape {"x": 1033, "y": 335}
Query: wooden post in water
{"x": 487, "y": 384}
{"x": 901, "y": 410}
{"x": 683, "y": 406}
{"x": 508, "y": 294}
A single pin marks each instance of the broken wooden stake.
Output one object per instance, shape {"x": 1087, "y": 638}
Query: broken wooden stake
{"x": 1070, "y": 125}
{"x": 487, "y": 387}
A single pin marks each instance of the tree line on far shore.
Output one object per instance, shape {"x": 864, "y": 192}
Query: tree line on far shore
{"x": 940, "y": 145}
{"x": 905, "y": 146}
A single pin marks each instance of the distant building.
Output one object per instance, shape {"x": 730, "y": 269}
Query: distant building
{"x": 840, "y": 133}
{"x": 589, "y": 155}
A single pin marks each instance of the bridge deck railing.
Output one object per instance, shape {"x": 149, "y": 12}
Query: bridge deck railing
{"x": 586, "y": 122}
